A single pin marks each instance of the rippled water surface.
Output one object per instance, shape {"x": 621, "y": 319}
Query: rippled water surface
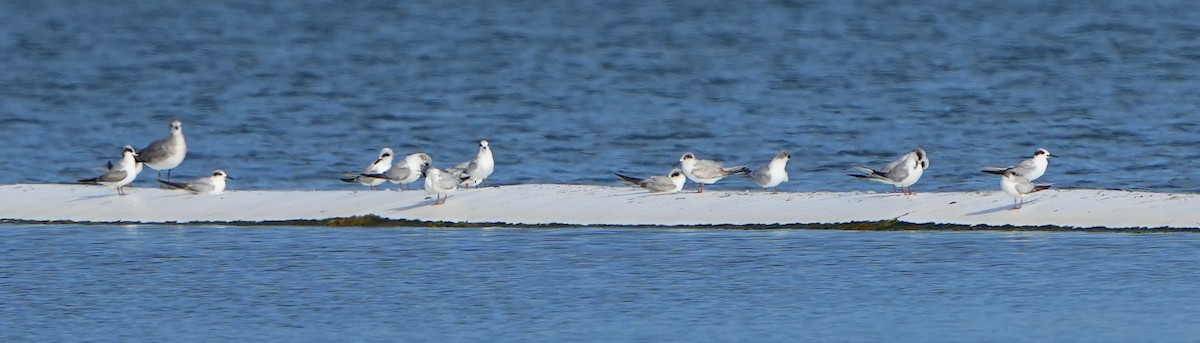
{"x": 291, "y": 95}
{"x": 66, "y": 283}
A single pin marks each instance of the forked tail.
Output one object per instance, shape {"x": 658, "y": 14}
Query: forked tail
{"x": 628, "y": 179}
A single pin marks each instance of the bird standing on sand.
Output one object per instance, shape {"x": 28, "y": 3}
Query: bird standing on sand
{"x": 440, "y": 183}
{"x": 902, "y": 173}
{"x": 1031, "y": 168}
{"x": 1019, "y": 187}
{"x": 372, "y": 174}
{"x": 166, "y": 153}
{"x": 474, "y": 172}
{"x": 774, "y": 173}
{"x": 704, "y": 172}
{"x": 120, "y": 175}
{"x": 406, "y": 171}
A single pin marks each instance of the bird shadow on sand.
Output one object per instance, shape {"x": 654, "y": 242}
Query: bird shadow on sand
{"x": 888, "y": 195}
{"x": 94, "y": 197}
{"x": 422, "y": 203}
{"x": 999, "y": 209}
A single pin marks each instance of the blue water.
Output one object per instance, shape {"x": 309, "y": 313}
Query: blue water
{"x": 153, "y": 283}
{"x": 290, "y": 95}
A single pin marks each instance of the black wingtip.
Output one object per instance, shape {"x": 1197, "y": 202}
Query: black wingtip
{"x": 627, "y": 178}
{"x": 172, "y": 184}
{"x": 349, "y": 179}
{"x": 861, "y": 176}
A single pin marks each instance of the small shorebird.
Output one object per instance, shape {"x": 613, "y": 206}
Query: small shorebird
{"x": 1031, "y": 168}
{"x": 774, "y": 173}
{"x": 406, "y": 171}
{"x": 1019, "y": 187}
{"x": 122, "y": 174}
{"x": 902, "y": 173}
{"x": 472, "y": 173}
{"x": 440, "y": 183}
{"x": 705, "y": 172}
{"x": 372, "y": 174}
{"x": 213, "y": 184}
{"x": 671, "y": 183}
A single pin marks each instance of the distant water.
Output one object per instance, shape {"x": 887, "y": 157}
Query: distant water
{"x": 150, "y": 283}
{"x": 289, "y": 95}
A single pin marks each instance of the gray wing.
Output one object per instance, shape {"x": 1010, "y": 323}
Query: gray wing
{"x": 1024, "y": 186}
{"x": 762, "y": 175}
{"x": 155, "y": 151}
{"x": 741, "y": 168}
{"x": 461, "y": 169}
{"x": 113, "y": 176}
{"x": 708, "y": 169}
{"x": 447, "y": 180}
{"x": 398, "y": 173}
{"x": 898, "y": 169}
{"x": 1027, "y": 166}
{"x": 657, "y": 183}
{"x": 897, "y": 173}
{"x": 894, "y": 165}
{"x": 203, "y": 185}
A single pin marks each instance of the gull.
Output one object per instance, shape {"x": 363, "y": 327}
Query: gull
{"x": 205, "y": 185}
{"x": 659, "y": 184}
{"x": 707, "y": 171}
{"x": 121, "y": 175}
{"x": 407, "y": 170}
{"x": 1031, "y": 168}
{"x": 440, "y": 183}
{"x": 166, "y": 153}
{"x": 903, "y": 172}
{"x": 1018, "y": 187}
{"x": 474, "y": 172}
{"x": 371, "y": 175}
{"x": 774, "y": 173}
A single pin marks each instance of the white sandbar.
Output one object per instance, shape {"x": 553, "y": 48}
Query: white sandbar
{"x": 540, "y": 204}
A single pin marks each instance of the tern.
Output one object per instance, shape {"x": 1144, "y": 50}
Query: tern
{"x": 372, "y": 174}
{"x": 440, "y": 183}
{"x": 213, "y": 184}
{"x": 120, "y": 175}
{"x": 1018, "y": 187}
{"x": 902, "y": 173}
{"x": 671, "y": 183}
{"x": 1031, "y": 168}
{"x": 705, "y": 172}
{"x": 406, "y": 171}
{"x": 774, "y": 173}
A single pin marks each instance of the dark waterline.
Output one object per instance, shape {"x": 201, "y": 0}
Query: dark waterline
{"x": 290, "y": 95}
